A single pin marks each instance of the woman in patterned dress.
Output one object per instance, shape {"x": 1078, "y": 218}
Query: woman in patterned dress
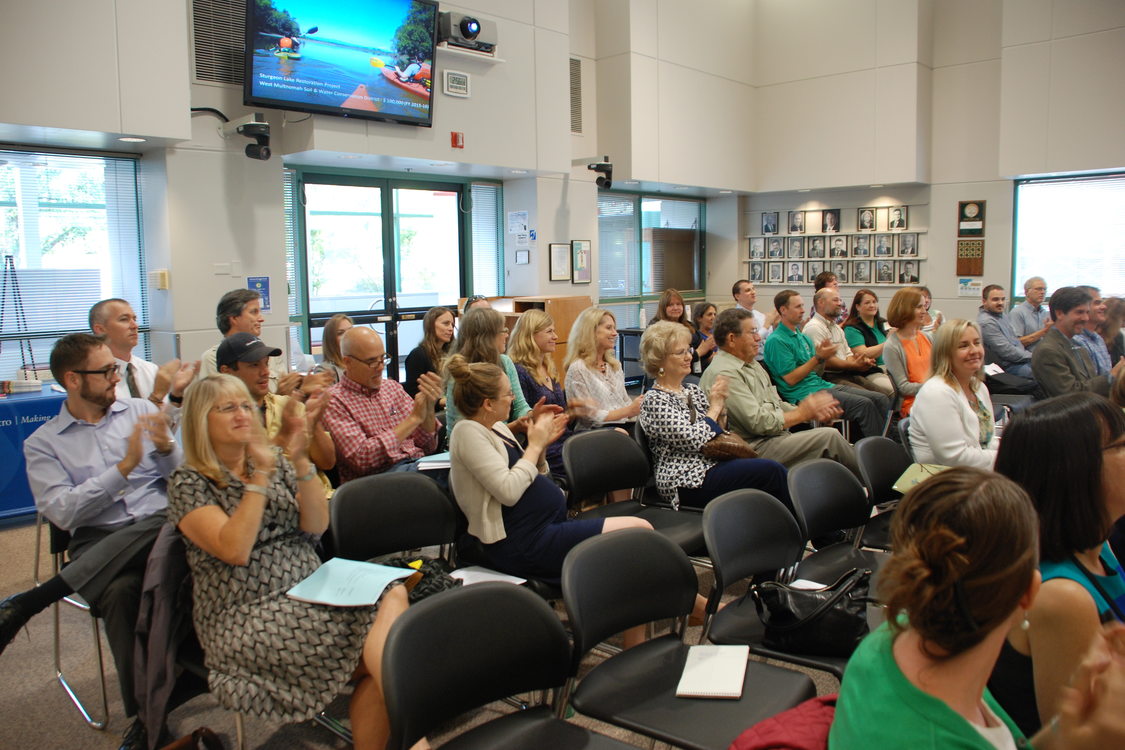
{"x": 594, "y": 375}
{"x": 250, "y": 517}
{"x": 678, "y": 418}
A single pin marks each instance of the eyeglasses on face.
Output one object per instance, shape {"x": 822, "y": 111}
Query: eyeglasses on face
{"x": 381, "y": 360}
{"x": 683, "y": 352}
{"x": 108, "y": 372}
{"x": 231, "y": 408}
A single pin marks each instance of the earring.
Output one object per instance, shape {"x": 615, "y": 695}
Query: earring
{"x": 660, "y": 374}
{"x": 1026, "y": 624}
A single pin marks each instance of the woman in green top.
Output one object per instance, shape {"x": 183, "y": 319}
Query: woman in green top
{"x": 863, "y": 328}
{"x": 962, "y": 575}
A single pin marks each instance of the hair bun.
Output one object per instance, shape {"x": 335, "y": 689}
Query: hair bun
{"x": 458, "y": 367}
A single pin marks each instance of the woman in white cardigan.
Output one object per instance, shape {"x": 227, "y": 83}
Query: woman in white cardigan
{"x": 951, "y": 423}
{"x": 512, "y": 506}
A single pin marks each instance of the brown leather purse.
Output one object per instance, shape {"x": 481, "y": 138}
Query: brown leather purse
{"x": 725, "y": 446}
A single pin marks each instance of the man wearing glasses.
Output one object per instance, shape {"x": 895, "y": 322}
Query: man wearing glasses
{"x": 98, "y": 470}
{"x": 376, "y": 426}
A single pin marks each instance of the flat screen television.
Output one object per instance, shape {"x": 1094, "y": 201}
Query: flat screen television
{"x": 371, "y": 59}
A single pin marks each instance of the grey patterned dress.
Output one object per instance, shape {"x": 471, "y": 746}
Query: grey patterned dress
{"x": 268, "y": 655}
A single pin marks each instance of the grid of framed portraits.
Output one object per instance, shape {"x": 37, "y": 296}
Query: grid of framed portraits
{"x": 827, "y": 221}
{"x": 895, "y": 271}
{"x": 867, "y": 258}
{"x": 838, "y": 246}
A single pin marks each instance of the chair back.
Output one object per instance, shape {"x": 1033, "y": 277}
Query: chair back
{"x": 828, "y": 497}
{"x": 881, "y": 462}
{"x": 601, "y": 461}
{"x": 904, "y": 436}
{"x": 614, "y": 581}
{"x": 384, "y": 513}
{"x": 464, "y": 648}
{"x": 749, "y": 532}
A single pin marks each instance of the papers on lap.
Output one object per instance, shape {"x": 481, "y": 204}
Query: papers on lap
{"x": 477, "y": 574}
{"x": 714, "y": 672}
{"x": 347, "y": 583}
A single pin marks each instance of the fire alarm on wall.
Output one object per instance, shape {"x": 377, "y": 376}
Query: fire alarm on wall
{"x": 456, "y": 139}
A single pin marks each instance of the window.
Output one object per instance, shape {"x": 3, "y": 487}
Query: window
{"x": 384, "y": 250}
{"x": 69, "y": 236}
{"x": 647, "y": 244}
{"x": 1071, "y": 231}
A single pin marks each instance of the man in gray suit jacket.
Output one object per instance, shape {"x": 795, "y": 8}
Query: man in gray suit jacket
{"x": 1058, "y": 364}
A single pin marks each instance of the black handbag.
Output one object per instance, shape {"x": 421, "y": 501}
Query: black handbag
{"x": 829, "y": 621}
{"x": 433, "y": 576}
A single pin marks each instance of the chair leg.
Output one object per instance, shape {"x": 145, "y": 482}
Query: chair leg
{"x": 239, "y": 732}
{"x": 101, "y": 723}
{"x": 334, "y": 726}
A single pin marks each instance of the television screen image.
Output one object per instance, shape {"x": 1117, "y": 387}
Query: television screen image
{"x": 371, "y": 59}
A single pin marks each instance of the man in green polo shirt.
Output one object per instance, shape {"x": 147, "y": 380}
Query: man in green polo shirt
{"x": 796, "y": 364}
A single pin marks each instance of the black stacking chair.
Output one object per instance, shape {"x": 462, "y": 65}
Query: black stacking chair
{"x": 751, "y": 533}
{"x": 385, "y": 513}
{"x": 57, "y": 543}
{"x": 829, "y": 498}
{"x": 881, "y": 462}
{"x": 466, "y": 647}
{"x": 904, "y": 436}
{"x": 602, "y": 461}
{"x": 633, "y": 577}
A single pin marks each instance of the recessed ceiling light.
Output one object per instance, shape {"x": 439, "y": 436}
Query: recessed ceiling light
{"x": 131, "y": 139}
{"x": 518, "y": 171}
{"x": 804, "y": 191}
{"x": 631, "y": 182}
{"x": 350, "y": 156}
{"x": 875, "y": 186}
{"x": 723, "y": 192}
{"x": 441, "y": 164}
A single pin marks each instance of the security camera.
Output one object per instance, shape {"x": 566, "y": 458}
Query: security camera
{"x": 605, "y": 168}
{"x": 252, "y": 126}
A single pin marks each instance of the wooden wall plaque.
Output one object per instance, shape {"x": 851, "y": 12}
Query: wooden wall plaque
{"x": 970, "y": 257}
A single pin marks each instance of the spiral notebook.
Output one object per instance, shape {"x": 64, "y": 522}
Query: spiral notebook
{"x": 714, "y": 672}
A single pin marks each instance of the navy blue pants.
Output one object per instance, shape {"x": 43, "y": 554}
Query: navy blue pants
{"x": 738, "y": 474}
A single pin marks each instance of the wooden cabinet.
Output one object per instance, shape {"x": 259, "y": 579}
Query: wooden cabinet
{"x": 673, "y": 257}
{"x": 563, "y": 310}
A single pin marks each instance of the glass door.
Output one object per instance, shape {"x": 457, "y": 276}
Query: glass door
{"x": 384, "y": 274}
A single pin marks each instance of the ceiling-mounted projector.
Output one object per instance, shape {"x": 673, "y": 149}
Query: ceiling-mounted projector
{"x": 467, "y": 32}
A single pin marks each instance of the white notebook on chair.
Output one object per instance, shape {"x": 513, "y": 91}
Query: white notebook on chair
{"x": 714, "y": 672}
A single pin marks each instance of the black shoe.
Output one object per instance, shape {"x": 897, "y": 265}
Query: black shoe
{"x": 12, "y": 618}
{"x": 135, "y": 737}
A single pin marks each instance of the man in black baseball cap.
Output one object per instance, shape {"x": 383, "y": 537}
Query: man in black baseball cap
{"x": 247, "y": 357}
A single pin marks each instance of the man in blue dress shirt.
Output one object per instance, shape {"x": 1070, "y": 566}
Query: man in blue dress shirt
{"x": 99, "y": 471}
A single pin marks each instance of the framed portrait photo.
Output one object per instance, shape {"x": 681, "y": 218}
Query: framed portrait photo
{"x": 795, "y": 247}
{"x": 757, "y": 248}
{"x": 865, "y": 219}
{"x": 838, "y": 247}
{"x": 769, "y": 222}
{"x": 757, "y": 271}
{"x": 884, "y": 272}
{"x": 559, "y": 253}
{"x": 884, "y": 245}
{"x": 794, "y": 273}
{"x": 861, "y": 272}
{"x": 830, "y": 220}
{"x": 970, "y": 218}
{"x": 908, "y": 272}
{"x": 861, "y": 246}
{"x": 908, "y": 245}
{"x": 897, "y": 218}
{"x": 581, "y": 271}
{"x": 774, "y": 248}
{"x": 815, "y": 268}
{"x": 796, "y": 222}
{"x": 840, "y": 268}
{"x": 815, "y": 248}
{"x": 776, "y": 272}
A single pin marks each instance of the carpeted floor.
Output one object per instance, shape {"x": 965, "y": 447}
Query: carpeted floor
{"x": 37, "y": 714}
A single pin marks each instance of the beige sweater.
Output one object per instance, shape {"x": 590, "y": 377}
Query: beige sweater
{"x": 481, "y": 479}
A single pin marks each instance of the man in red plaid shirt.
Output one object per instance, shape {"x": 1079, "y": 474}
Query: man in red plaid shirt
{"x": 376, "y": 426}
